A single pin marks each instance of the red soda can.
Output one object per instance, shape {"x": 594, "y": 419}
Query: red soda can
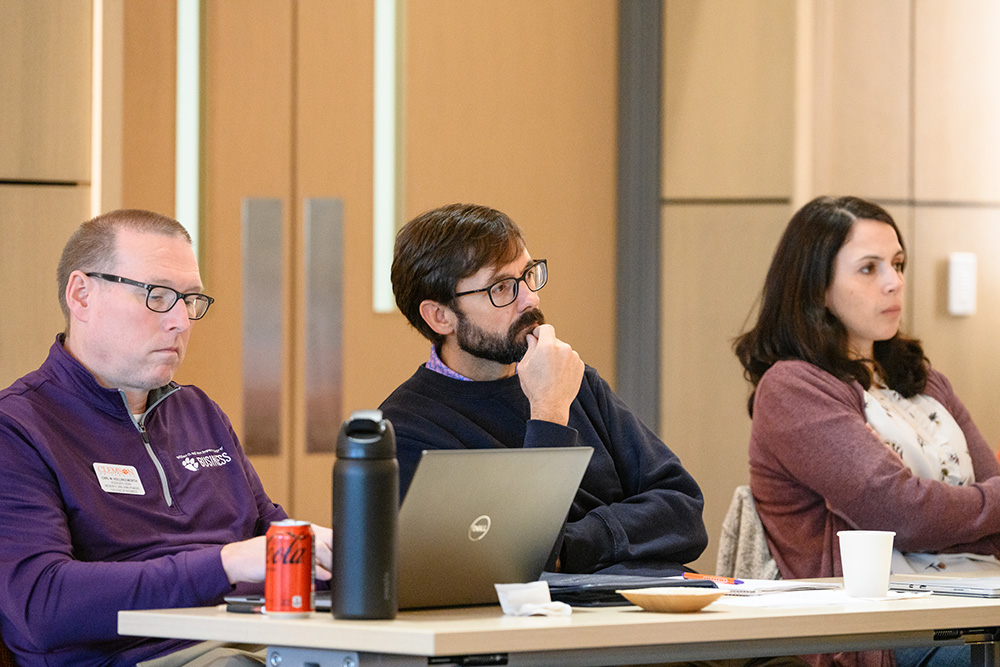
{"x": 289, "y": 588}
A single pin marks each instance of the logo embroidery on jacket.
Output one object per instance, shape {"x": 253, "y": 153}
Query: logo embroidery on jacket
{"x": 207, "y": 458}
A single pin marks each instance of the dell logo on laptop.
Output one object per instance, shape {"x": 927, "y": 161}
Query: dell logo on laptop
{"x": 479, "y": 528}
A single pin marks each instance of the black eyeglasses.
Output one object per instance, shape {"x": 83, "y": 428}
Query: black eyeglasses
{"x": 160, "y": 298}
{"x": 504, "y": 292}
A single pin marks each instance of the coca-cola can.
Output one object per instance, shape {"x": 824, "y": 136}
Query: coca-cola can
{"x": 289, "y": 588}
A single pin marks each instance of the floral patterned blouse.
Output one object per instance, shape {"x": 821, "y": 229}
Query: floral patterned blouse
{"x": 932, "y": 445}
{"x": 922, "y": 432}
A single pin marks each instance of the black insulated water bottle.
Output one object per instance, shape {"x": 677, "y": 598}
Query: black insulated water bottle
{"x": 365, "y": 509}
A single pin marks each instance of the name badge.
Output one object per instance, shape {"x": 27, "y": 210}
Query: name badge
{"x": 119, "y": 479}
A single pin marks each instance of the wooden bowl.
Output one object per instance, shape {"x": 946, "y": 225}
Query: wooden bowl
{"x": 671, "y": 599}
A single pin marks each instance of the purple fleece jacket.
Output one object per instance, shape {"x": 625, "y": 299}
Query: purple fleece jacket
{"x": 637, "y": 511}
{"x": 72, "y": 554}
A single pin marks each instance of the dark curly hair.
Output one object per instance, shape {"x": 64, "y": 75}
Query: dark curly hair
{"x": 793, "y": 321}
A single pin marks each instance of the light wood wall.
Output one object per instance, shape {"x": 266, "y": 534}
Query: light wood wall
{"x": 767, "y": 105}
{"x": 45, "y": 81}
{"x": 509, "y": 104}
{"x": 45, "y": 104}
{"x": 512, "y": 104}
{"x": 956, "y": 188}
{"x": 149, "y": 117}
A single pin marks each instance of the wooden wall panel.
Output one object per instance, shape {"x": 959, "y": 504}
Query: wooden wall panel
{"x": 45, "y": 90}
{"x": 288, "y": 115}
{"x": 714, "y": 262}
{"x": 861, "y": 99}
{"x": 149, "y": 110}
{"x": 511, "y": 104}
{"x": 35, "y": 223}
{"x": 496, "y": 112}
{"x": 333, "y": 158}
{"x": 728, "y": 136}
{"x": 728, "y": 99}
{"x": 45, "y": 118}
{"x": 900, "y": 105}
{"x": 957, "y": 175}
{"x": 248, "y": 153}
{"x": 957, "y": 101}
{"x": 963, "y": 348}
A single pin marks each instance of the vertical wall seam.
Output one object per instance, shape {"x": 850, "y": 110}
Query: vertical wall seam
{"x": 637, "y": 349}
{"x": 294, "y": 378}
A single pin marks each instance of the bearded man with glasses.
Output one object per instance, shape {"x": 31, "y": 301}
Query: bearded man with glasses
{"x": 123, "y": 489}
{"x": 499, "y": 377}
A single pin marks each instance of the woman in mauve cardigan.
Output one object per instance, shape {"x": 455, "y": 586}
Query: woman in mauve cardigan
{"x": 852, "y": 429}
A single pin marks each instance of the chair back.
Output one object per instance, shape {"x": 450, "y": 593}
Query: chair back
{"x": 743, "y": 551}
{"x": 6, "y": 657}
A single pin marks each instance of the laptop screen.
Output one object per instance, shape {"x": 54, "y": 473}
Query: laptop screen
{"x": 474, "y": 518}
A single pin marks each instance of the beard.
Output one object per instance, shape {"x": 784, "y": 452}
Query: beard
{"x": 506, "y": 348}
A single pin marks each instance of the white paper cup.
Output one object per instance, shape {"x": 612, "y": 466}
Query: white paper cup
{"x": 865, "y": 556}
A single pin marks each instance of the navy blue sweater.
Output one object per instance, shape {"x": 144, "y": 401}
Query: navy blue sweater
{"x": 637, "y": 511}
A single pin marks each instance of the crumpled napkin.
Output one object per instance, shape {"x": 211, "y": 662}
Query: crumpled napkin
{"x": 531, "y": 599}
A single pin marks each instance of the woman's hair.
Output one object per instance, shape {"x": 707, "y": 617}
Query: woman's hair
{"x": 440, "y": 247}
{"x": 793, "y": 321}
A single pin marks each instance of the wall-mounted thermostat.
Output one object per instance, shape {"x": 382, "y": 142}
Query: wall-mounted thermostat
{"x": 962, "y": 283}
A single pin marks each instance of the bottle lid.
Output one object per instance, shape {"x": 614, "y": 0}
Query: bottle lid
{"x": 366, "y": 435}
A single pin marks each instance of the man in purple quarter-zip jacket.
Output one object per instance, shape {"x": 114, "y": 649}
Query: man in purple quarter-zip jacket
{"x": 122, "y": 489}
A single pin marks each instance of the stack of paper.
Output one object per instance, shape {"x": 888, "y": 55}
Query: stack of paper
{"x": 762, "y": 586}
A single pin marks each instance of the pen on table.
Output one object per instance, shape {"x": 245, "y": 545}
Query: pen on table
{"x": 710, "y": 577}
